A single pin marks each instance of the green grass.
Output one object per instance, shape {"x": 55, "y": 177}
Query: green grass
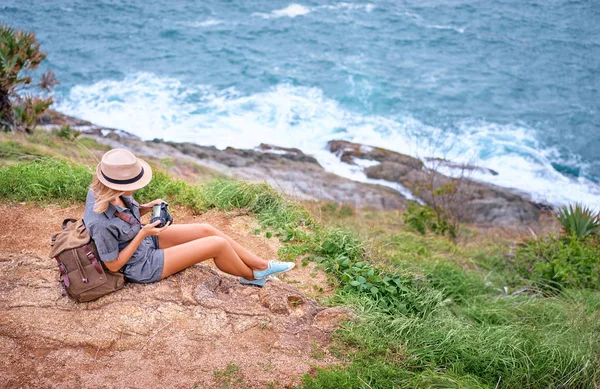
{"x": 432, "y": 313}
{"x": 13, "y": 150}
{"x": 45, "y": 180}
{"x": 229, "y": 378}
{"x": 555, "y": 262}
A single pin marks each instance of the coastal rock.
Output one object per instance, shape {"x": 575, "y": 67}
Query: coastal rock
{"x": 295, "y": 173}
{"x": 348, "y": 152}
{"x": 470, "y": 200}
{"x": 440, "y": 162}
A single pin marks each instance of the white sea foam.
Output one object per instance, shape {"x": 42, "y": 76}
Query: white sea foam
{"x": 349, "y": 6}
{"x": 460, "y": 30}
{"x": 419, "y": 21}
{"x": 202, "y": 23}
{"x": 293, "y": 10}
{"x": 292, "y": 116}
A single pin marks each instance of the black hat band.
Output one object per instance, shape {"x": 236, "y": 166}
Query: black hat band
{"x": 123, "y": 182}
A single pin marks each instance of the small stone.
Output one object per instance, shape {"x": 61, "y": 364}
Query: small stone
{"x": 330, "y": 318}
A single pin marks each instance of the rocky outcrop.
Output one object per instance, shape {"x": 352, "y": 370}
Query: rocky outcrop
{"x": 293, "y": 172}
{"x": 469, "y": 200}
{"x": 288, "y": 170}
{"x": 176, "y": 333}
{"x": 199, "y": 319}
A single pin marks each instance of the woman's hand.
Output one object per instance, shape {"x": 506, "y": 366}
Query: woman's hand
{"x": 151, "y": 229}
{"x": 153, "y": 203}
{"x": 145, "y": 208}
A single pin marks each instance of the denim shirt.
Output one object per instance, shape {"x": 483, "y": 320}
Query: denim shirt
{"x": 112, "y": 234}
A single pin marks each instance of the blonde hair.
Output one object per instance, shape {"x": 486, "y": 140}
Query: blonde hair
{"x": 103, "y": 195}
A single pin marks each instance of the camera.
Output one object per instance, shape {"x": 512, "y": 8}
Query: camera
{"x": 161, "y": 212}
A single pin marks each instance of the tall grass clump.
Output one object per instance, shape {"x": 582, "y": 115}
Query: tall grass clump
{"x": 261, "y": 199}
{"x": 483, "y": 342}
{"x": 45, "y": 179}
{"x": 579, "y": 220}
{"x": 12, "y": 150}
{"x": 175, "y": 192}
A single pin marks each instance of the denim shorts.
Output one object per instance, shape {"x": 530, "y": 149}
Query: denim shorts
{"x": 149, "y": 268}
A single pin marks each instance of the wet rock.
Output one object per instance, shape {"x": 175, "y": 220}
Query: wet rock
{"x": 348, "y": 152}
{"x": 290, "y": 172}
{"x": 439, "y": 162}
{"x": 293, "y": 172}
{"x": 471, "y": 201}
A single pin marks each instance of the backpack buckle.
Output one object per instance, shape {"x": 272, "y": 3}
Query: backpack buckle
{"x": 64, "y": 276}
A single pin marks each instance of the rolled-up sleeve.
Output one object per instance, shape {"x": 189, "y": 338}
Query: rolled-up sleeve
{"x": 105, "y": 240}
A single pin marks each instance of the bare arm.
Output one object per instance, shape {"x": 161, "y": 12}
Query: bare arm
{"x": 126, "y": 254}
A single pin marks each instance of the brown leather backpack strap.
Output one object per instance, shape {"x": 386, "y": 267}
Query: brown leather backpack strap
{"x": 66, "y": 222}
{"x": 90, "y": 255}
{"x": 126, "y": 218}
{"x": 63, "y": 273}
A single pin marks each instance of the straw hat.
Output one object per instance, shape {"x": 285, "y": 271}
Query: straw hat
{"x": 121, "y": 170}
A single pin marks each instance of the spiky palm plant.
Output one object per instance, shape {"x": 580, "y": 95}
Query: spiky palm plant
{"x": 19, "y": 55}
{"x": 579, "y": 220}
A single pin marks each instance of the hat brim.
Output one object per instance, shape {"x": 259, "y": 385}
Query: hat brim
{"x": 139, "y": 184}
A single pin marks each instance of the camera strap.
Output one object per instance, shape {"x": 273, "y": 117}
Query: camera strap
{"x": 127, "y": 218}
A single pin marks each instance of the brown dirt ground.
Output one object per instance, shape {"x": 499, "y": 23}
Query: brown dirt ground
{"x": 197, "y": 329}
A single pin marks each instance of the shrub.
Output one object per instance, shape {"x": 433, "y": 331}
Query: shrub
{"x": 422, "y": 218}
{"x": 175, "y": 192}
{"x": 66, "y": 132}
{"x": 19, "y": 55}
{"x": 578, "y": 220}
{"x": 560, "y": 262}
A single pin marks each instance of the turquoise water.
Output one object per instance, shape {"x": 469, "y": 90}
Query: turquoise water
{"x": 512, "y": 85}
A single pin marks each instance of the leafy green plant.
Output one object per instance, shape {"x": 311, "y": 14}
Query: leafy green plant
{"x": 66, "y": 132}
{"x": 579, "y": 220}
{"x": 29, "y": 109}
{"x": 554, "y": 263}
{"x": 423, "y": 218}
{"x": 19, "y": 55}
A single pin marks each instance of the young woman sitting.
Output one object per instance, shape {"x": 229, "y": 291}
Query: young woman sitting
{"x": 146, "y": 253}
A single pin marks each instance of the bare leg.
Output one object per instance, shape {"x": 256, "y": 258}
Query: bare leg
{"x": 182, "y": 233}
{"x": 188, "y": 254}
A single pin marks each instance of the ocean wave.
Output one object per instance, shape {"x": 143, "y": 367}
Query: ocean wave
{"x": 419, "y": 21}
{"x": 460, "y": 30}
{"x": 202, "y": 23}
{"x": 350, "y": 6}
{"x": 293, "y": 10}
{"x": 294, "y": 116}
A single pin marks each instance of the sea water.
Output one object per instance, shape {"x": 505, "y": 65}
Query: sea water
{"x": 510, "y": 85}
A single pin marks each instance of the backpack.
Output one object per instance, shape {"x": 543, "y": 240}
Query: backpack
{"x": 83, "y": 276}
